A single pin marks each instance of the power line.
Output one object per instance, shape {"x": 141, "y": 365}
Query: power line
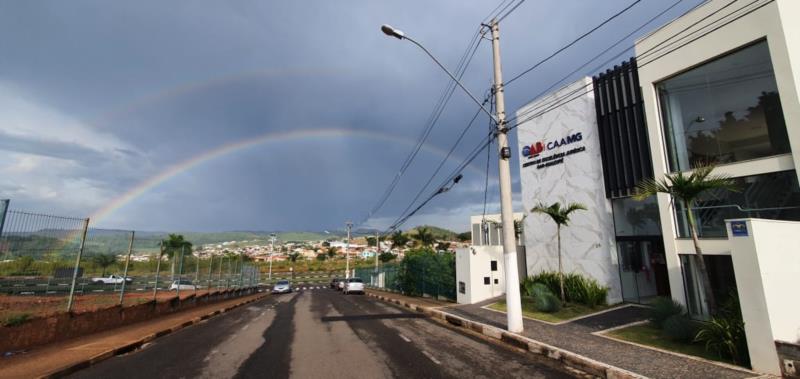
{"x": 567, "y": 46}
{"x": 509, "y": 12}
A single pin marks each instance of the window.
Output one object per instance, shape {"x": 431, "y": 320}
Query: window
{"x": 636, "y": 218}
{"x": 773, "y": 196}
{"x": 494, "y": 265}
{"x": 486, "y": 280}
{"x": 462, "y": 287}
{"x": 720, "y": 274}
{"x": 727, "y": 110}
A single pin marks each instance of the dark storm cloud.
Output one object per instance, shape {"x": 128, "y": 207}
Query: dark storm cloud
{"x": 150, "y": 84}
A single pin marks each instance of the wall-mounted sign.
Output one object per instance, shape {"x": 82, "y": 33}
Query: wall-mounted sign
{"x": 533, "y": 151}
{"x": 739, "y": 228}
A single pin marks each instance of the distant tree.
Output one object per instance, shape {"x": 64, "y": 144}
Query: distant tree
{"x": 370, "y": 241}
{"x": 424, "y": 237}
{"x": 464, "y": 237}
{"x": 399, "y": 239}
{"x": 104, "y": 260}
{"x": 560, "y": 215}
{"x": 172, "y": 247}
{"x": 326, "y": 244}
{"x": 387, "y": 257}
{"x": 442, "y": 246}
{"x": 331, "y": 252}
{"x": 322, "y": 257}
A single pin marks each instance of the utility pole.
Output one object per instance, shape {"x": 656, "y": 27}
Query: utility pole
{"x": 271, "y": 253}
{"x": 347, "y": 251}
{"x": 377, "y": 252}
{"x": 125, "y": 273}
{"x": 513, "y": 300}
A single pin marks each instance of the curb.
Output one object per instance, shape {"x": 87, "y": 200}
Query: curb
{"x": 566, "y": 358}
{"x": 132, "y": 346}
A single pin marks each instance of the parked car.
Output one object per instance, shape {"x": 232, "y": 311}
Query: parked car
{"x": 183, "y": 285}
{"x": 282, "y": 286}
{"x": 335, "y": 283}
{"x": 354, "y": 285}
{"x": 112, "y": 279}
{"x": 340, "y": 284}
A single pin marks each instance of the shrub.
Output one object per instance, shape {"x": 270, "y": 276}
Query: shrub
{"x": 662, "y": 309}
{"x": 547, "y": 302}
{"x": 679, "y": 328}
{"x": 17, "y": 319}
{"x": 577, "y": 288}
{"x": 724, "y": 334}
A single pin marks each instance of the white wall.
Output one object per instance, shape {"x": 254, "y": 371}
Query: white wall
{"x": 472, "y": 265}
{"x": 782, "y": 33}
{"x": 767, "y": 267}
{"x": 588, "y": 243}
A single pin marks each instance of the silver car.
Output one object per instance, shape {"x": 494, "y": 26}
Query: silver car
{"x": 282, "y": 286}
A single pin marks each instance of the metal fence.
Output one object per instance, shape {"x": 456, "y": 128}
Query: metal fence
{"x": 421, "y": 280}
{"x": 64, "y": 264}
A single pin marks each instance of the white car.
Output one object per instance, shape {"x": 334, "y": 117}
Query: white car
{"x": 354, "y": 285}
{"x": 183, "y": 285}
{"x": 282, "y": 286}
{"x": 111, "y": 279}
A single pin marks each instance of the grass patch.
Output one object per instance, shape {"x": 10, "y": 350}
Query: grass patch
{"x": 567, "y": 312}
{"x": 648, "y": 334}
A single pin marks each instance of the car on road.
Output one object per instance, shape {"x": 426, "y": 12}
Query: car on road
{"x": 340, "y": 284}
{"x": 282, "y": 286}
{"x": 111, "y": 279}
{"x": 335, "y": 283}
{"x": 354, "y": 285}
{"x": 183, "y": 285}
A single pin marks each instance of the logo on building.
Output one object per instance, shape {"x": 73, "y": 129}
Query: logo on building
{"x": 533, "y": 150}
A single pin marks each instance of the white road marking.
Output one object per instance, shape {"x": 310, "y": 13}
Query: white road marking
{"x": 404, "y": 338}
{"x": 427, "y": 354}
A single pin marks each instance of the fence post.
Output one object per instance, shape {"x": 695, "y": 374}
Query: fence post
{"x": 125, "y": 273}
{"x": 4, "y": 204}
{"x": 158, "y": 269}
{"x": 208, "y": 281}
{"x": 196, "y": 272}
{"x": 219, "y": 277}
{"x": 77, "y": 266}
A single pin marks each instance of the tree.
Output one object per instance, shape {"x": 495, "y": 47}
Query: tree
{"x": 559, "y": 215}
{"x": 331, "y": 252}
{"x": 464, "y": 237}
{"x": 104, "y": 260}
{"x": 387, "y": 257}
{"x": 399, "y": 239}
{"x": 322, "y": 257}
{"x": 443, "y": 246}
{"x": 172, "y": 246}
{"x": 424, "y": 237}
{"x": 686, "y": 190}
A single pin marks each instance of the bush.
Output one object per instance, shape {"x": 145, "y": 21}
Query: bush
{"x": 724, "y": 334}
{"x": 547, "y": 302}
{"x": 17, "y": 319}
{"x": 679, "y": 328}
{"x": 662, "y": 309}
{"x": 577, "y": 288}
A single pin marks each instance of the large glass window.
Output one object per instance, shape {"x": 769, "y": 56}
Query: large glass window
{"x": 636, "y": 218}
{"x": 773, "y": 196}
{"x": 724, "y": 111}
{"x": 720, "y": 274}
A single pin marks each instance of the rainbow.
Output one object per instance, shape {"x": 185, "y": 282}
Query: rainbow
{"x": 244, "y": 144}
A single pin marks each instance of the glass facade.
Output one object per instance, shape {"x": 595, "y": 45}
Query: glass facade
{"x": 773, "y": 196}
{"x": 724, "y": 111}
{"x": 720, "y": 274}
{"x": 636, "y": 218}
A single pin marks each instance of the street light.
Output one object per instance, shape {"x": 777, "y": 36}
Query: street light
{"x": 513, "y": 300}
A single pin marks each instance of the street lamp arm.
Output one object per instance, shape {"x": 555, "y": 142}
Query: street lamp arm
{"x": 458, "y": 82}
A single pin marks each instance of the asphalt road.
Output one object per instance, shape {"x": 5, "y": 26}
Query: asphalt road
{"x": 321, "y": 333}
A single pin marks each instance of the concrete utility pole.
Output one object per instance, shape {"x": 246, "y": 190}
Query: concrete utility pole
{"x": 347, "y": 251}
{"x": 514, "y": 305}
{"x": 271, "y": 252}
{"x": 125, "y": 273}
{"x": 513, "y": 300}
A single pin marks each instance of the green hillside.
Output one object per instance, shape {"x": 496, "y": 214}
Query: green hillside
{"x": 438, "y": 233}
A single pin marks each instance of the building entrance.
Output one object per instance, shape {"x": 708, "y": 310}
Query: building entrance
{"x": 643, "y": 268}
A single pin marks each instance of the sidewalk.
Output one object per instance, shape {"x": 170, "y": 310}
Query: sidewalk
{"x": 577, "y": 337}
{"x": 68, "y": 356}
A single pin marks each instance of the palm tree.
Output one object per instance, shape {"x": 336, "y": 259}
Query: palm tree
{"x": 175, "y": 243}
{"x": 560, "y": 216}
{"x": 687, "y": 189}
{"x": 424, "y": 236}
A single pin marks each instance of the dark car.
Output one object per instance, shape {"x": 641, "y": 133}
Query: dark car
{"x": 334, "y": 283}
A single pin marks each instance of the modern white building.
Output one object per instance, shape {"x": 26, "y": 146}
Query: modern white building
{"x": 719, "y": 84}
{"x": 480, "y": 268}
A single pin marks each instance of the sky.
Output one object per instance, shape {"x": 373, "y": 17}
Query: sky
{"x": 265, "y": 116}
